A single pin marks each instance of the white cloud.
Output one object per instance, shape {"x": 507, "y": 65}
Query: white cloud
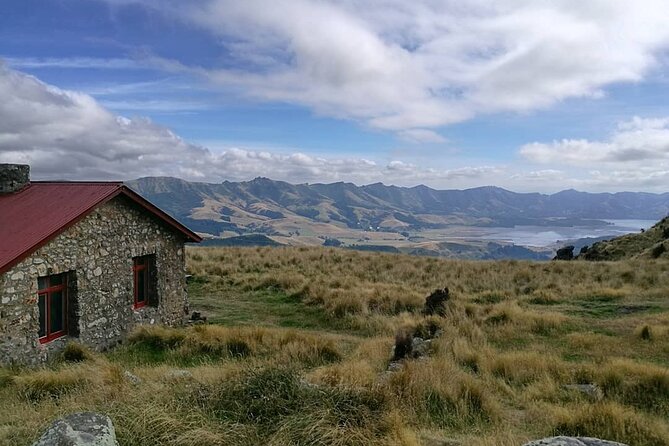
{"x": 410, "y": 66}
{"x": 638, "y": 140}
{"x": 68, "y": 135}
{"x": 421, "y": 136}
{"x": 74, "y": 62}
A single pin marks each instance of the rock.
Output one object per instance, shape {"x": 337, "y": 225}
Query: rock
{"x": 565, "y": 253}
{"x": 134, "y": 379}
{"x": 197, "y": 318}
{"x": 420, "y": 347}
{"x": 435, "y": 303}
{"x": 591, "y": 390}
{"x": 80, "y": 429}
{"x": 394, "y": 366}
{"x": 572, "y": 441}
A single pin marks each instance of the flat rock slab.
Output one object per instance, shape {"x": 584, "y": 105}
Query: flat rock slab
{"x": 80, "y": 429}
{"x": 572, "y": 441}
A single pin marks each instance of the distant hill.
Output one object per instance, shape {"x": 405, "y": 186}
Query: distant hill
{"x": 652, "y": 243}
{"x": 242, "y": 240}
{"x": 383, "y": 218}
{"x": 254, "y": 206}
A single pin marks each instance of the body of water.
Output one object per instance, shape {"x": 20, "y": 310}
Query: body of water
{"x": 543, "y": 236}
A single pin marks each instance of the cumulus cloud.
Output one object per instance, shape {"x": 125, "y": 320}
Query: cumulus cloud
{"x": 639, "y": 140}
{"x": 410, "y": 66}
{"x": 68, "y": 135}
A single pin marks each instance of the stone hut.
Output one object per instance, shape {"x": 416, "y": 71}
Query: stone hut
{"x": 84, "y": 261}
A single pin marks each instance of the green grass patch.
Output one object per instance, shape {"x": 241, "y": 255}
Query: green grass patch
{"x": 227, "y": 304}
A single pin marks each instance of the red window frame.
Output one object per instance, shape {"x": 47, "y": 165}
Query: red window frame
{"x": 140, "y": 266}
{"x": 47, "y": 292}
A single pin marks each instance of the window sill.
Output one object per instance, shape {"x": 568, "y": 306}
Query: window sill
{"x": 52, "y": 337}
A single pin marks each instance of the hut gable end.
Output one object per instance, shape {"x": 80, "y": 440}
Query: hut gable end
{"x": 94, "y": 278}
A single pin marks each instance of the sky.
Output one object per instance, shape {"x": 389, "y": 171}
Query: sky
{"x": 529, "y": 95}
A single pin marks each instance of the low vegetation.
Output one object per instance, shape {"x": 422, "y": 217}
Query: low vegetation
{"x": 650, "y": 244}
{"x": 299, "y": 341}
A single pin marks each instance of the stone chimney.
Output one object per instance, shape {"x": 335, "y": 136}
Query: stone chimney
{"x": 13, "y": 177}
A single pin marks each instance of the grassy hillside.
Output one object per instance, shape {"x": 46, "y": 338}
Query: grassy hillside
{"x": 650, "y": 244}
{"x": 299, "y": 341}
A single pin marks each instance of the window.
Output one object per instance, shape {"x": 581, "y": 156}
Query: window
{"x": 52, "y": 300}
{"x": 144, "y": 272}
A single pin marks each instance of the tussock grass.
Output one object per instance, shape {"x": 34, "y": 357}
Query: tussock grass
{"x": 303, "y": 337}
{"x": 206, "y": 343}
{"x": 611, "y": 421}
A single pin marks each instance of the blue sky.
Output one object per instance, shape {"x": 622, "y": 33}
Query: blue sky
{"x": 527, "y": 95}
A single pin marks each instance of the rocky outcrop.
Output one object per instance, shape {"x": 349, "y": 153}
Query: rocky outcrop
{"x": 572, "y": 441}
{"x": 80, "y": 429}
{"x": 435, "y": 303}
{"x": 565, "y": 253}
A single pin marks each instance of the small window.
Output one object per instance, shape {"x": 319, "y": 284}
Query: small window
{"x": 144, "y": 279}
{"x": 52, "y": 301}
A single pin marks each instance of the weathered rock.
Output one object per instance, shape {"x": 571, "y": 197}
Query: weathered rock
{"x": 197, "y": 318}
{"x": 591, "y": 390}
{"x": 565, "y": 253}
{"x": 435, "y": 303}
{"x": 394, "y": 366}
{"x": 134, "y": 379}
{"x": 80, "y": 429}
{"x": 572, "y": 441}
{"x": 13, "y": 177}
{"x": 420, "y": 347}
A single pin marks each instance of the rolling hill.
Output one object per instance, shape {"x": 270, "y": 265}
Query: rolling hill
{"x": 652, "y": 243}
{"x": 252, "y": 205}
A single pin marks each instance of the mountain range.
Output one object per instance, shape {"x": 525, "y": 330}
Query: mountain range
{"x": 390, "y": 207}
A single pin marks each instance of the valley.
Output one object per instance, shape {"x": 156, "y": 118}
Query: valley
{"x": 480, "y": 223}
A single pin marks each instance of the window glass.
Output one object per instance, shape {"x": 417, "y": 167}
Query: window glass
{"x": 42, "y": 315}
{"x": 56, "y": 280}
{"x": 42, "y": 283}
{"x": 57, "y": 312}
{"x": 141, "y": 286}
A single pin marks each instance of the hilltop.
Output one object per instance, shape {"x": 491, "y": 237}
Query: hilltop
{"x": 414, "y": 220}
{"x": 652, "y": 244}
{"x": 249, "y": 205}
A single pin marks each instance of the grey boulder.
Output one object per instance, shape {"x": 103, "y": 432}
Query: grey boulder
{"x": 572, "y": 441}
{"x": 80, "y": 429}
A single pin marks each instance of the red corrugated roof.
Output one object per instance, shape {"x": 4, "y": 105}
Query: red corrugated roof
{"x": 33, "y": 216}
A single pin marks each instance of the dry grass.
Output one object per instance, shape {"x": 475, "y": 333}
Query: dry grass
{"x": 514, "y": 334}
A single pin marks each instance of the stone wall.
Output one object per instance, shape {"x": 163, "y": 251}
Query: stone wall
{"x": 98, "y": 251}
{"x": 13, "y": 177}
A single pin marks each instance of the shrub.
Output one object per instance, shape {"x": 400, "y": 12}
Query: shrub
{"x": 75, "y": 352}
{"x": 49, "y": 383}
{"x": 6, "y": 378}
{"x": 156, "y": 336}
{"x": 403, "y": 345}
{"x": 611, "y": 422}
{"x": 658, "y": 251}
{"x": 641, "y": 385}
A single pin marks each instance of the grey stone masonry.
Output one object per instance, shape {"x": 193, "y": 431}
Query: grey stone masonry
{"x": 13, "y": 177}
{"x": 97, "y": 253}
